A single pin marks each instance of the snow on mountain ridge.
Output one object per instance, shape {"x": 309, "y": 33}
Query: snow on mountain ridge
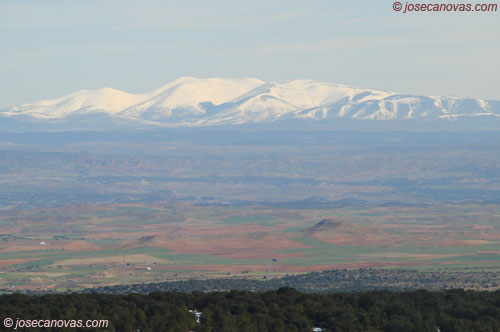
{"x": 188, "y": 92}
{"x": 106, "y": 99}
{"x": 190, "y": 101}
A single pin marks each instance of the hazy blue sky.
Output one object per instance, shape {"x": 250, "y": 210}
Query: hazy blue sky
{"x": 53, "y": 47}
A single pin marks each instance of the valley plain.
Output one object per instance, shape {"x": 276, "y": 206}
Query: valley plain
{"x": 95, "y": 245}
{"x": 94, "y": 209}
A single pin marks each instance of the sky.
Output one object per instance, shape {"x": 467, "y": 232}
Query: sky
{"x": 55, "y": 47}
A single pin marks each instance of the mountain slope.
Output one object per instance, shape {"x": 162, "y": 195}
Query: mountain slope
{"x": 186, "y": 97}
{"x": 205, "y": 102}
{"x": 85, "y": 101}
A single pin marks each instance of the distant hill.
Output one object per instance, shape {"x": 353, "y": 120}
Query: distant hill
{"x": 325, "y": 224}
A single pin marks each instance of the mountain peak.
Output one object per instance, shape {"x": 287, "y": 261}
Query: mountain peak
{"x": 191, "y": 101}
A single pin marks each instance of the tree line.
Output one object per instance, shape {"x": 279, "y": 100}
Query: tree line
{"x": 329, "y": 281}
{"x": 285, "y": 309}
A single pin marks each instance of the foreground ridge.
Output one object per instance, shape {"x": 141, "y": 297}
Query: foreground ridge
{"x": 281, "y": 310}
{"x": 330, "y": 281}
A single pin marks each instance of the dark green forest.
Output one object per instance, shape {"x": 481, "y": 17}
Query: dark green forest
{"x": 329, "y": 281}
{"x": 285, "y": 309}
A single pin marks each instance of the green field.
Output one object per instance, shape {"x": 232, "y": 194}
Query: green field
{"x": 108, "y": 244}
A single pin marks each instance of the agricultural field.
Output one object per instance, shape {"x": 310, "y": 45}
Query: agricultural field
{"x": 82, "y": 246}
{"x": 100, "y": 209}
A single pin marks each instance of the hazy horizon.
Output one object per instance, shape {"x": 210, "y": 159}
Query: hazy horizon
{"x": 55, "y": 48}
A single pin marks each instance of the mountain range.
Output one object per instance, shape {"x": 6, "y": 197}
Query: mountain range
{"x": 195, "y": 102}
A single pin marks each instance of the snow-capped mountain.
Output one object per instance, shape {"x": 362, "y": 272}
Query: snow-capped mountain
{"x": 206, "y": 102}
